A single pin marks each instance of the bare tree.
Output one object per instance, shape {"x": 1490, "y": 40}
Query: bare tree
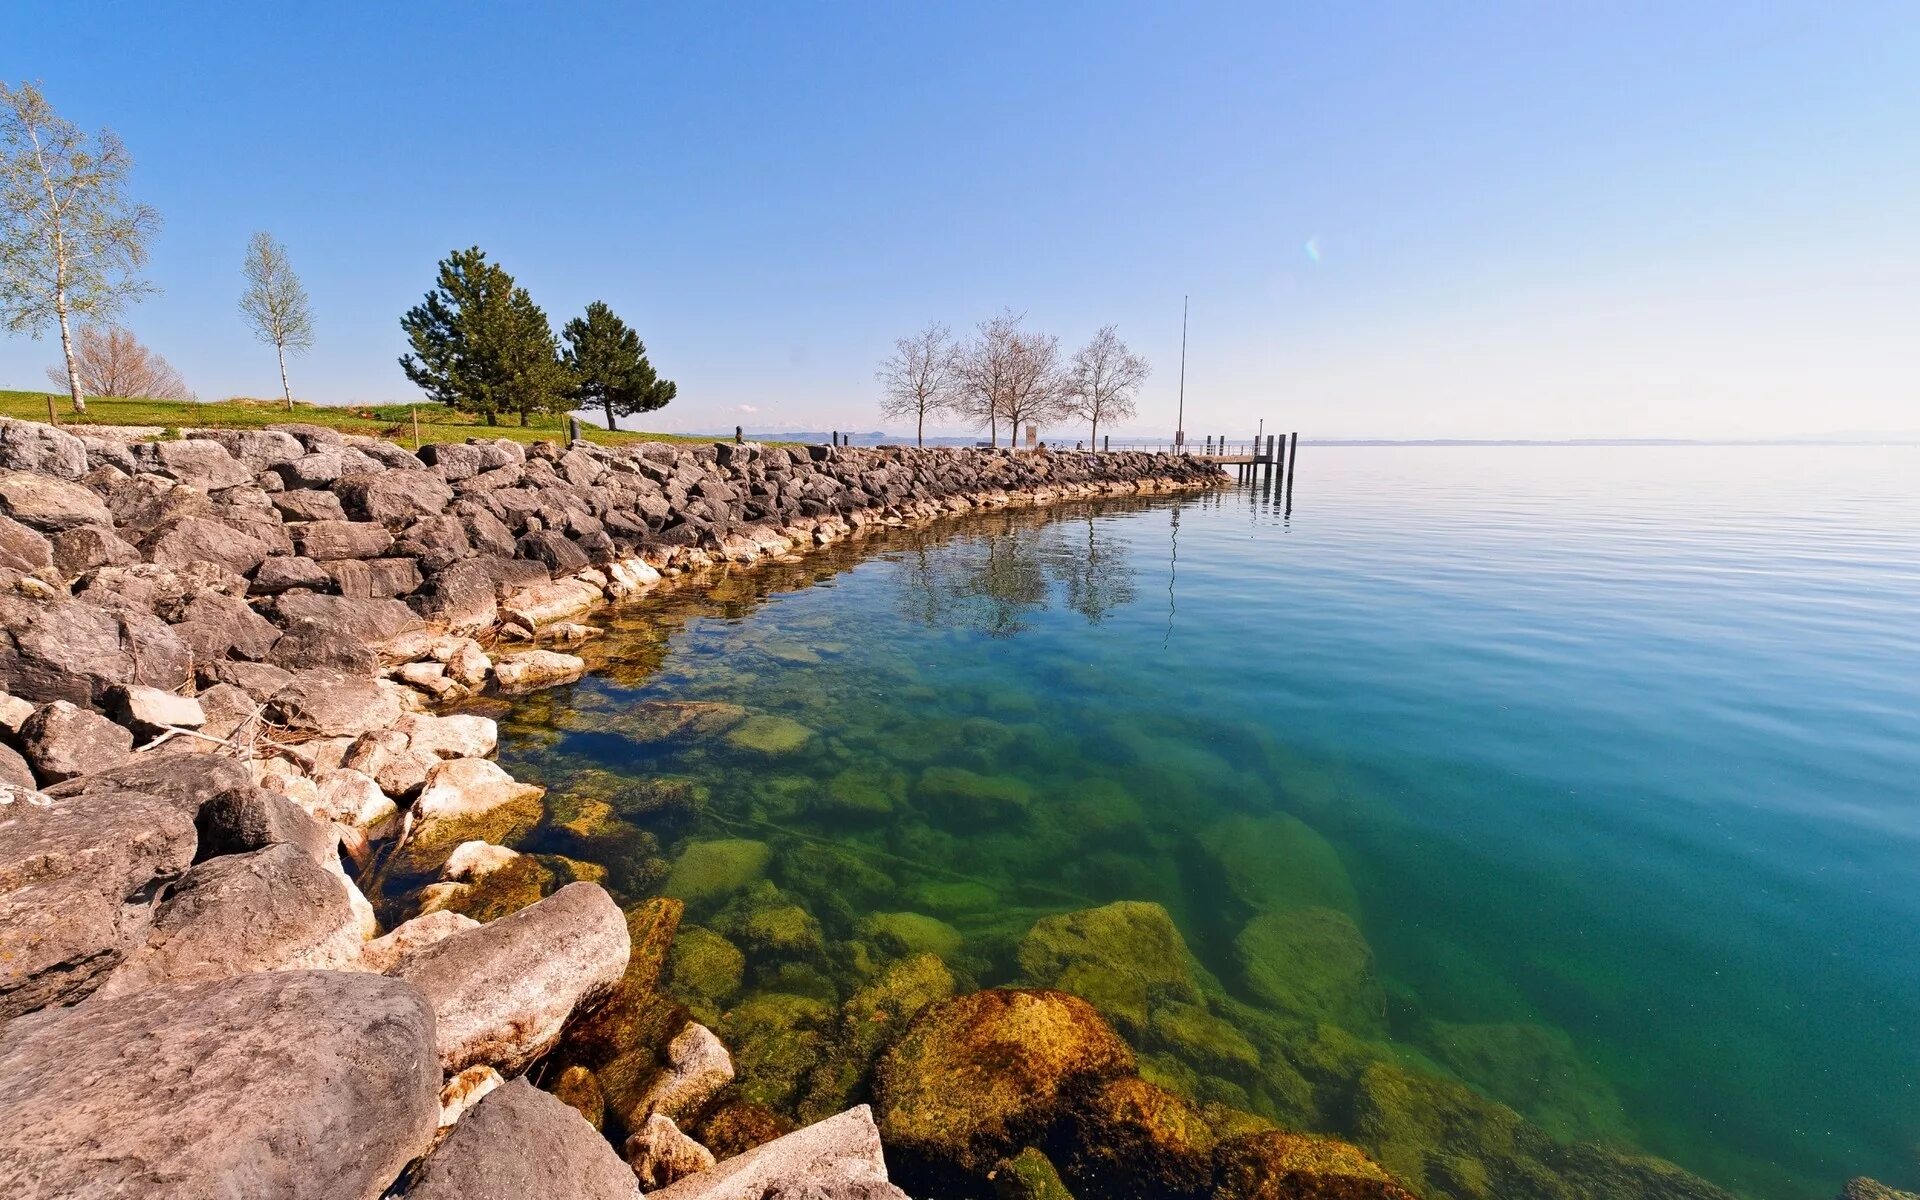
{"x": 995, "y": 372}
{"x": 921, "y": 379}
{"x": 110, "y": 362}
{"x": 71, "y": 241}
{"x": 1103, "y": 380}
{"x": 1035, "y": 393}
{"x": 275, "y": 304}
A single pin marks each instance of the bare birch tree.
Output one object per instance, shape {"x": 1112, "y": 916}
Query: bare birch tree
{"x": 1103, "y": 381}
{"x": 71, "y": 241}
{"x": 921, "y": 379}
{"x": 112, "y": 363}
{"x": 275, "y": 304}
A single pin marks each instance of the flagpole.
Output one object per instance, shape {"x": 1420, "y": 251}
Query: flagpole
{"x": 1180, "y": 421}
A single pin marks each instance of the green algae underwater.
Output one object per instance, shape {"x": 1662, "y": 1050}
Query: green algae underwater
{"x": 1295, "y": 825}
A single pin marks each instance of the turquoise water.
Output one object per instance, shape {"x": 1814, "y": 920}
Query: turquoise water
{"x": 1616, "y": 750}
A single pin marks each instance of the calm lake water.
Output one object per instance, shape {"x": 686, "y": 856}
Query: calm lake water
{"x": 1610, "y": 757}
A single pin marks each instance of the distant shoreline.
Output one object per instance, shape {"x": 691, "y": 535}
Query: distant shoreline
{"x": 1888, "y": 439}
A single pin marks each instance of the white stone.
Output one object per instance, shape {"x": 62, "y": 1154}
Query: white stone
{"x": 475, "y": 859}
{"x": 464, "y": 1091}
{"x": 384, "y": 953}
{"x": 459, "y": 735}
{"x": 461, "y": 787}
{"x": 698, "y": 1066}
{"x": 530, "y": 669}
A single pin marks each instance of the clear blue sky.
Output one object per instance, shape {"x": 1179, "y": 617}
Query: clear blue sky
{"x": 1531, "y": 219}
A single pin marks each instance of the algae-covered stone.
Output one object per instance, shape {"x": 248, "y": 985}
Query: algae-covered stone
{"x": 977, "y": 1078}
{"x": 651, "y": 928}
{"x": 870, "y": 1020}
{"x": 1314, "y": 964}
{"x": 762, "y": 921}
{"x": 1533, "y": 1068}
{"x": 870, "y": 791}
{"x": 779, "y": 1039}
{"x": 949, "y": 898}
{"x": 710, "y": 871}
{"x": 576, "y": 1088}
{"x": 1123, "y": 957}
{"x": 955, "y": 794}
{"x": 1137, "y": 1141}
{"x": 736, "y": 1126}
{"x": 669, "y": 720}
{"x": 912, "y": 933}
{"x": 704, "y": 971}
{"x": 771, "y": 735}
{"x": 1279, "y": 862}
{"x": 1028, "y": 1175}
{"x": 520, "y": 881}
{"x": 1289, "y": 1166}
{"x": 1196, "y": 1036}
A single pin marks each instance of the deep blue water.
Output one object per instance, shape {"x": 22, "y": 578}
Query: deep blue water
{"x": 1622, "y": 743}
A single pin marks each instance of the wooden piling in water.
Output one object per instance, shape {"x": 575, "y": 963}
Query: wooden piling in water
{"x": 1293, "y": 461}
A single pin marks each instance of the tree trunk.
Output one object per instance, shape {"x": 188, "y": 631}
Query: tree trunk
{"x": 993, "y": 429}
{"x": 285, "y": 389}
{"x": 66, "y": 348}
{"x": 920, "y": 431}
{"x": 491, "y": 418}
{"x": 1093, "y": 436}
{"x": 610, "y": 425}
{"x": 523, "y": 418}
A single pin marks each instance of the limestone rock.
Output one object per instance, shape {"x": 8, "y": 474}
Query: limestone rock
{"x": 465, "y": 1090}
{"x": 329, "y": 702}
{"x": 460, "y": 787}
{"x": 42, "y": 449}
{"x": 268, "y": 910}
{"x": 77, "y": 875}
{"x": 384, "y": 953}
{"x": 660, "y": 1154}
{"x": 697, "y": 1068}
{"x": 528, "y": 670}
{"x": 248, "y": 819}
{"x": 48, "y": 504}
{"x": 195, "y": 462}
{"x": 85, "y": 547}
{"x": 459, "y": 735}
{"x": 149, "y": 711}
{"x": 471, "y": 860}
{"x": 502, "y": 992}
{"x": 837, "y": 1159}
{"x": 63, "y": 741}
{"x": 301, "y": 1085}
{"x": 518, "y": 1143}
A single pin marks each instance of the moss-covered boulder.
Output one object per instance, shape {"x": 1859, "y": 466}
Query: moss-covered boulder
{"x": 1279, "y": 862}
{"x": 1194, "y": 1035}
{"x": 976, "y": 1079}
{"x": 1135, "y": 1140}
{"x": 576, "y": 1088}
{"x": 652, "y": 721}
{"x": 766, "y": 923}
{"x": 1291, "y": 1166}
{"x": 737, "y": 1125}
{"x": 871, "y": 1019}
{"x": 898, "y": 933}
{"x": 704, "y": 971}
{"x": 769, "y": 735}
{"x": 867, "y": 792}
{"x": 957, "y": 796}
{"x": 1314, "y": 964}
{"x": 520, "y": 881}
{"x": 1534, "y": 1068}
{"x": 776, "y": 1039}
{"x": 505, "y": 824}
{"x": 1028, "y": 1175}
{"x": 1124, "y": 957}
{"x": 708, "y": 872}
{"x": 651, "y": 929}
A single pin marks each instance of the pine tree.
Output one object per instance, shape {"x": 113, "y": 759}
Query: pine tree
{"x": 482, "y": 345}
{"x": 609, "y": 365}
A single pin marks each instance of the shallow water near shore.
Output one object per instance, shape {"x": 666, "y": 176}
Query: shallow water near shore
{"x": 1608, "y": 757}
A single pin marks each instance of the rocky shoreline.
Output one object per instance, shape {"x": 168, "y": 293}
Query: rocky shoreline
{"x": 221, "y": 664}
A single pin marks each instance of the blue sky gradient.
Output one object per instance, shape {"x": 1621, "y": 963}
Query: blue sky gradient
{"x": 1532, "y": 220}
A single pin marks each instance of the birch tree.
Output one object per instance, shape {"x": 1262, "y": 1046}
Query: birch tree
{"x": 275, "y": 304}
{"x": 71, "y": 240}
{"x": 1103, "y": 380}
{"x": 921, "y": 379}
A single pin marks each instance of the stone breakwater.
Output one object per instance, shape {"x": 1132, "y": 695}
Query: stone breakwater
{"x": 225, "y": 662}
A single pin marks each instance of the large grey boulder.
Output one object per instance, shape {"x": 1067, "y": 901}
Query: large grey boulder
{"x": 836, "y": 1159}
{"x": 502, "y": 992}
{"x": 75, "y": 651}
{"x": 519, "y": 1143}
{"x": 77, "y": 877}
{"x": 257, "y": 449}
{"x": 371, "y": 619}
{"x": 195, "y": 462}
{"x": 24, "y": 549}
{"x": 268, "y": 910}
{"x": 183, "y": 540}
{"x": 333, "y": 704}
{"x": 49, "y": 504}
{"x": 325, "y": 540}
{"x": 299, "y": 1085}
{"x": 63, "y": 741}
{"x": 187, "y": 781}
{"x": 85, "y": 547}
{"x": 42, "y": 449}
{"x": 250, "y": 818}
{"x": 394, "y": 497}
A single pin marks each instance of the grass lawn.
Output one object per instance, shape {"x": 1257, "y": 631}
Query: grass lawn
{"x": 391, "y": 421}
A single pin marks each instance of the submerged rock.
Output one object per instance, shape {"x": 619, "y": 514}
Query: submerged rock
{"x": 1279, "y": 862}
{"x": 709, "y": 871}
{"x": 977, "y": 1078}
{"x": 1028, "y": 1175}
{"x": 1122, "y": 956}
{"x": 1291, "y": 1166}
{"x": 770, "y": 735}
{"x": 301, "y": 1084}
{"x": 660, "y": 1154}
{"x": 1313, "y": 963}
